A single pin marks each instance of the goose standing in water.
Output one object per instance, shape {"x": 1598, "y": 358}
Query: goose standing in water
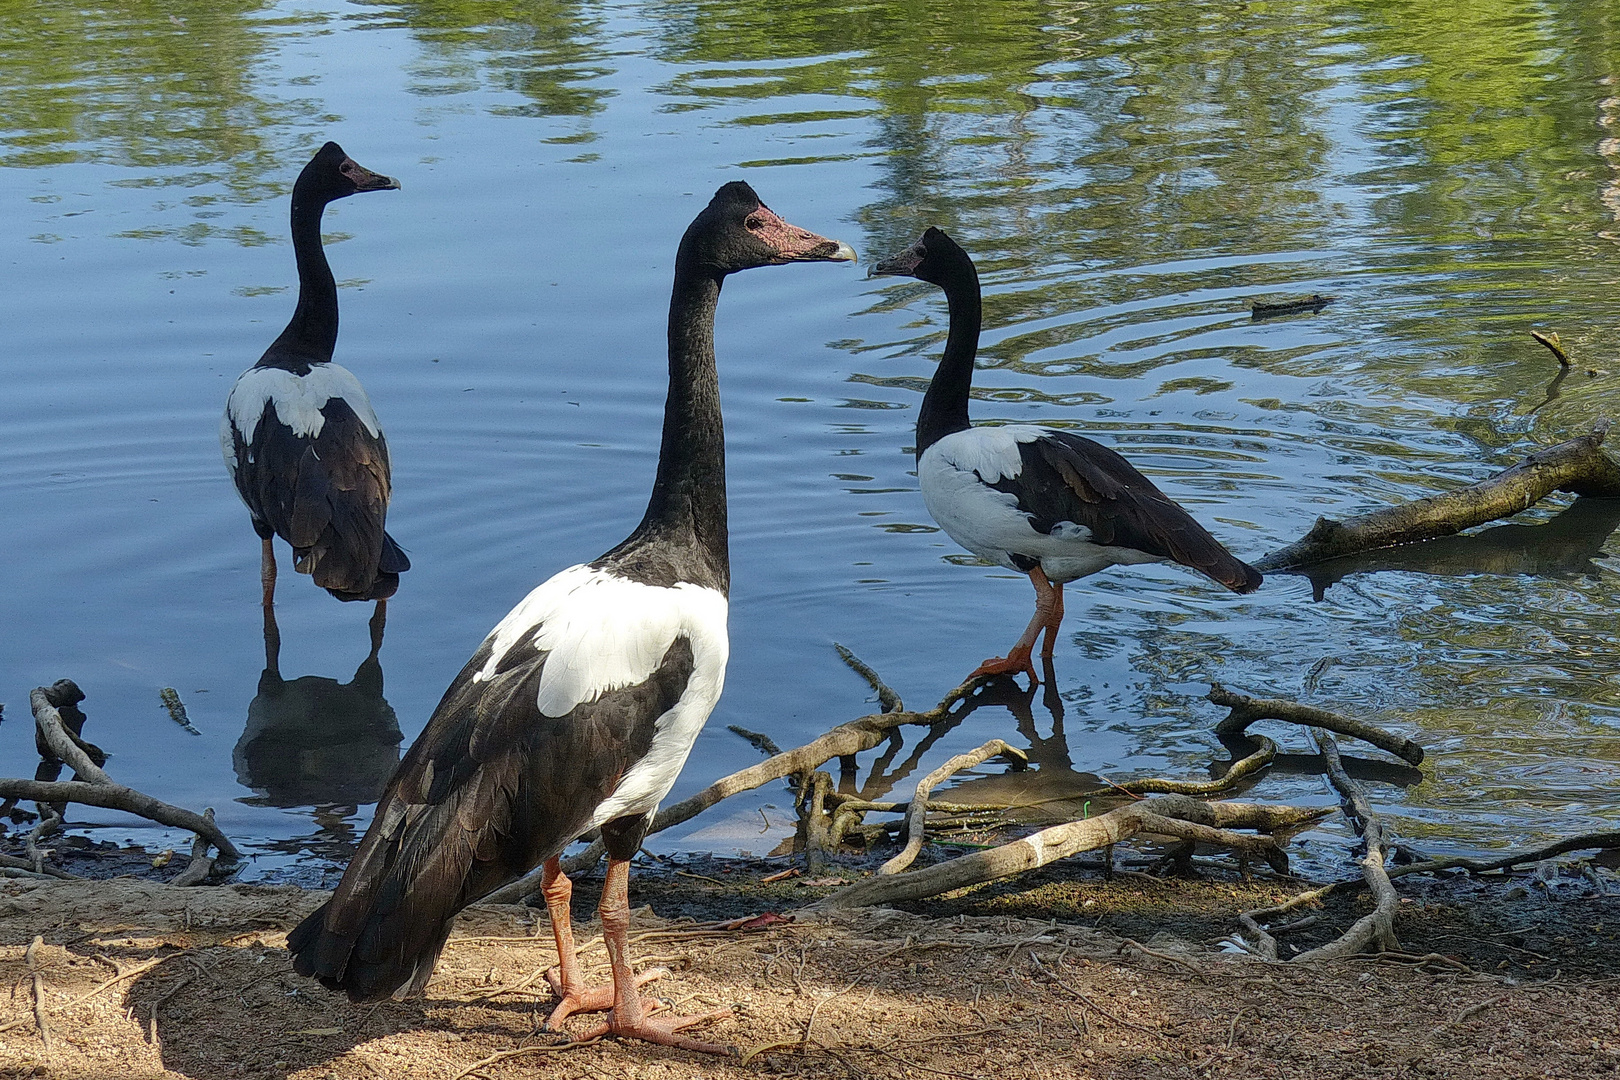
{"x": 1047, "y": 503}
{"x": 580, "y": 707}
{"x": 300, "y": 438}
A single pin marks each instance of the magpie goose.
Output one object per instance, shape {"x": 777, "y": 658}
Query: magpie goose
{"x": 1051, "y": 504}
{"x": 300, "y": 438}
{"x": 579, "y": 709}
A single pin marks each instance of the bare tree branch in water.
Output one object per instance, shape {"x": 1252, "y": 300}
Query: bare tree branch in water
{"x": 61, "y": 744}
{"x": 1580, "y": 466}
{"x": 1247, "y": 710}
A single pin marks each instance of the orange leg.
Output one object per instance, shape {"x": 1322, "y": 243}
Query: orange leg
{"x": 630, "y": 1018}
{"x": 1052, "y": 623}
{"x": 574, "y": 995}
{"x": 1048, "y": 613}
{"x": 267, "y": 572}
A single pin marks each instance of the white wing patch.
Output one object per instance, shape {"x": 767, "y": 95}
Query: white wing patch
{"x": 955, "y": 475}
{"x": 298, "y": 400}
{"x": 992, "y": 452}
{"x": 603, "y": 632}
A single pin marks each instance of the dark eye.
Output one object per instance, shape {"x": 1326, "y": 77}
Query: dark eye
{"x": 754, "y": 221}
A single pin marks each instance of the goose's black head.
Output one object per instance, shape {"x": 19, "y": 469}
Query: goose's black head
{"x": 934, "y": 258}
{"x": 331, "y": 174}
{"x": 738, "y": 232}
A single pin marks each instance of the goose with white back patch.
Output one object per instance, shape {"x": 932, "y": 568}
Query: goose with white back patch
{"x": 580, "y": 707}
{"x": 300, "y": 438}
{"x": 1050, "y": 504}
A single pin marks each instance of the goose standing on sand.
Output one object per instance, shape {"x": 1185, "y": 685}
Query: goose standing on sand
{"x": 1047, "y": 503}
{"x": 580, "y": 707}
{"x": 300, "y": 438}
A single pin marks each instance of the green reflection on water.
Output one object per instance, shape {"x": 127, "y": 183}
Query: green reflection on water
{"x": 153, "y": 87}
{"x": 549, "y": 53}
{"x": 1129, "y": 176}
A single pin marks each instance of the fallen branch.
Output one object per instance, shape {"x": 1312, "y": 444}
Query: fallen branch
{"x": 50, "y": 823}
{"x": 119, "y": 797}
{"x": 1579, "y": 466}
{"x": 1253, "y": 920}
{"x": 201, "y": 865}
{"x": 11, "y": 862}
{"x": 1166, "y": 815}
{"x": 1379, "y": 926}
{"x": 93, "y": 787}
{"x": 1607, "y": 839}
{"x": 1239, "y": 771}
{"x": 918, "y": 810}
{"x": 845, "y": 739}
{"x": 1246, "y": 710}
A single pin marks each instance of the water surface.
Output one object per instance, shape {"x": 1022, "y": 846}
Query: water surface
{"x": 1130, "y": 177}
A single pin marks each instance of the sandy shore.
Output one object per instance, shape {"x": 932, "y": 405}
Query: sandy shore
{"x": 1060, "y": 975}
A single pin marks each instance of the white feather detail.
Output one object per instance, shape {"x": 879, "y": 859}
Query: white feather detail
{"x": 298, "y": 401}
{"x": 646, "y": 782}
{"x": 992, "y": 452}
{"x": 227, "y": 440}
{"x": 602, "y": 632}
{"x": 955, "y": 473}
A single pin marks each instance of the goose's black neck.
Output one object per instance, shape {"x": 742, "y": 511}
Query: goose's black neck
{"x": 945, "y": 406}
{"x": 683, "y": 537}
{"x": 311, "y": 335}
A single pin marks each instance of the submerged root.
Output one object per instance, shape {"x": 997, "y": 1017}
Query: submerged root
{"x": 61, "y": 744}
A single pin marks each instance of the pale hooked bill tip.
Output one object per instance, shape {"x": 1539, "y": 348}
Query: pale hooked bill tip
{"x": 845, "y": 253}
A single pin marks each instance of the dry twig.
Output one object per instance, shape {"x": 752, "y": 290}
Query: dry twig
{"x": 32, "y": 958}
{"x": 1165, "y": 815}
{"x": 1239, "y": 771}
{"x": 1379, "y": 926}
{"x": 918, "y": 810}
{"x": 522, "y": 1051}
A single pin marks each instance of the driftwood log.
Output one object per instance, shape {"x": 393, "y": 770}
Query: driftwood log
{"x": 1579, "y": 466}
{"x": 1176, "y": 816}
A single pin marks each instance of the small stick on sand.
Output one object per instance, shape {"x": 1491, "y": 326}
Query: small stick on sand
{"x": 32, "y": 958}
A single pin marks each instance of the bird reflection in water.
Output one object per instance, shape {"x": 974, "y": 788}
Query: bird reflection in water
{"x": 1053, "y": 791}
{"x": 1049, "y": 792}
{"x": 316, "y": 742}
{"x": 1566, "y": 546}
